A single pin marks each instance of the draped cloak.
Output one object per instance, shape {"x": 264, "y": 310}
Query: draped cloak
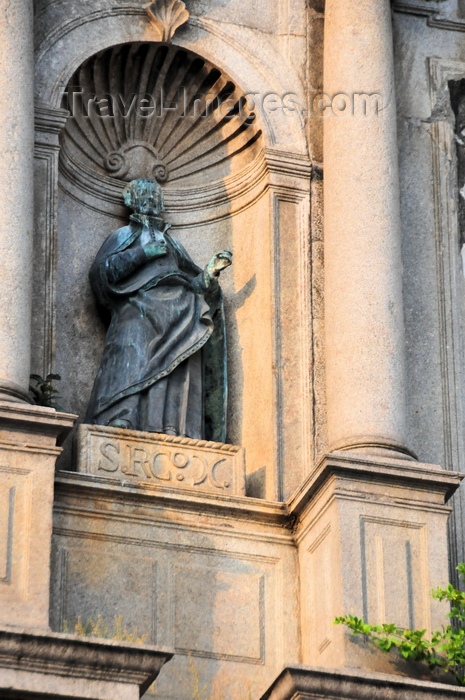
{"x": 163, "y": 311}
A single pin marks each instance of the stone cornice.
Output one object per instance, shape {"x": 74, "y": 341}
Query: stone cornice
{"x": 49, "y": 119}
{"x": 300, "y": 682}
{"x": 86, "y": 658}
{"x": 73, "y": 484}
{"x": 35, "y": 419}
{"x": 287, "y": 163}
{"x": 420, "y": 477}
{"x": 432, "y": 13}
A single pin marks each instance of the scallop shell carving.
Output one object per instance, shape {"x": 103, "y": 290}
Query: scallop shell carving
{"x": 166, "y": 16}
{"x": 156, "y": 111}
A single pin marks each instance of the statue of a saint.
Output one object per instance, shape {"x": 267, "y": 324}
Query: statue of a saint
{"x": 164, "y": 363}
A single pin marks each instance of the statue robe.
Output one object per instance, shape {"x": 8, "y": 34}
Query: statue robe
{"x": 164, "y": 361}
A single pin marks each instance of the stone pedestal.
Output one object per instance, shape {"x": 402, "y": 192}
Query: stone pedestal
{"x": 301, "y": 682}
{"x": 213, "y": 575}
{"x": 28, "y": 451}
{"x": 372, "y": 542}
{"x": 135, "y": 456}
{"x": 53, "y": 666}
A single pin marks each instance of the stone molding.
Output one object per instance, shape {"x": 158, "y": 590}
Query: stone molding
{"x": 49, "y": 120}
{"x": 77, "y": 486}
{"x": 283, "y": 514}
{"x": 46, "y": 423}
{"x": 49, "y": 123}
{"x": 433, "y": 14}
{"x": 83, "y": 661}
{"x": 10, "y": 391}
{"x": 289, "y": 186}
{"x": 448, "y": 274}
{"x": 351, "y": 510}
{"x": 214, "y": 201}
{"x": 302, "y": 682}
{"x": 373, "y": 446}
{"x": 285, "y": 163}
{"x": 137, "y": 456}
{"x": 289, "y": 172}
{"x": 356, "y": 466}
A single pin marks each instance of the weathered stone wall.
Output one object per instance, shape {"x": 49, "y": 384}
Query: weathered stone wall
{"x": 211, "y": 575}
{"x": 428, "y": 39}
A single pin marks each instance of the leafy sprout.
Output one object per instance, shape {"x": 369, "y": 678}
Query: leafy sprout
{"x": 43, "y": 391}
{"x": 444, "y": 651}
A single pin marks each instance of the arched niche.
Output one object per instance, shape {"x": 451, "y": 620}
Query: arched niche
{"x": 254, "y": 199}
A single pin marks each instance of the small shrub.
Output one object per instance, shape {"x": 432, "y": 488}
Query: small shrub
{"x": 97, "y": 627}
{"x": 445, "y": 651}
{"x": 43, "y": 393}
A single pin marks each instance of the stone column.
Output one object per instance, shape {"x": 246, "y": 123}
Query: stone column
{"x": 363, "y": 268}
{"x": 16, "y": 202}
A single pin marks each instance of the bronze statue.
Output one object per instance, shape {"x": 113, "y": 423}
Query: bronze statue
{"x": 164, "y": 363}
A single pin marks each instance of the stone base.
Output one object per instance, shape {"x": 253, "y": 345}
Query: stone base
{"x": 135, "y": 456}
{"x": 213, "y": 576}
{"x": 372, "y": 538}
{"x": 56, "y": 666}
{"x": 302, "y": 682}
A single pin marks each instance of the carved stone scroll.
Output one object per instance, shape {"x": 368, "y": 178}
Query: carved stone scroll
{"x": 166, "y": 16}
{"x": 161, "y": 459}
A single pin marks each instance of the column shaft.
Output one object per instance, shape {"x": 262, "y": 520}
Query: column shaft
{"x": 16, "y": 202}
{"x": 363, "y": 269}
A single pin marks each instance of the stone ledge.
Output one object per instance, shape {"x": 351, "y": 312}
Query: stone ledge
{"x": 180, "y": 462}
{"x": 415, "y": 475}
{"x": 30, "y": 661}
{"x": 302, "y": 682}
{"x": 75, "y": 486}
{"x": 24, "y": 419}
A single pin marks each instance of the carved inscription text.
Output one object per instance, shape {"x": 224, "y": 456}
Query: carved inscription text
{"x": 161, "y": 459}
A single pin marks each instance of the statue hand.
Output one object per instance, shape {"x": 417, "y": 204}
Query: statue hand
{"x": 155, "y": 250}
{"x": 219, "y": 262}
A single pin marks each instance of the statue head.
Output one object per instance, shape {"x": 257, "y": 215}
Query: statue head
{"x": 144, "y": 197}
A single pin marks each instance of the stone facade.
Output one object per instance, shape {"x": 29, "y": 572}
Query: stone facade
{"x": 322, "y": 142}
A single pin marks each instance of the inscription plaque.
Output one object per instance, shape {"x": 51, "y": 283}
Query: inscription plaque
{"x": 161, "y": 459}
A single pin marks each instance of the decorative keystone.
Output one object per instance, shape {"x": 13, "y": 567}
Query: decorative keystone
{"x": 166, "y": 16}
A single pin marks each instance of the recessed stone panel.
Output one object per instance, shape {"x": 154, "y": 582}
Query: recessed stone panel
{"x": 394, "y": 563}
{"x": 219, "y": 613}
{"x": 7, "y": 501}
{"x": 15, "y": 523}
{"x": 98, "y": 584}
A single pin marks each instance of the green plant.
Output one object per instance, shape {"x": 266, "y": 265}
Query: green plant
{"x": 445, "y": 651}
{"x": 97, "y": 627}
{"x": 43, "y": 392}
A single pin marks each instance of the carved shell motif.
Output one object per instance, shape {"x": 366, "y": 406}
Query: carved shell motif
{"x": 156, "y": 111}
{"x": 166, "y": 16}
